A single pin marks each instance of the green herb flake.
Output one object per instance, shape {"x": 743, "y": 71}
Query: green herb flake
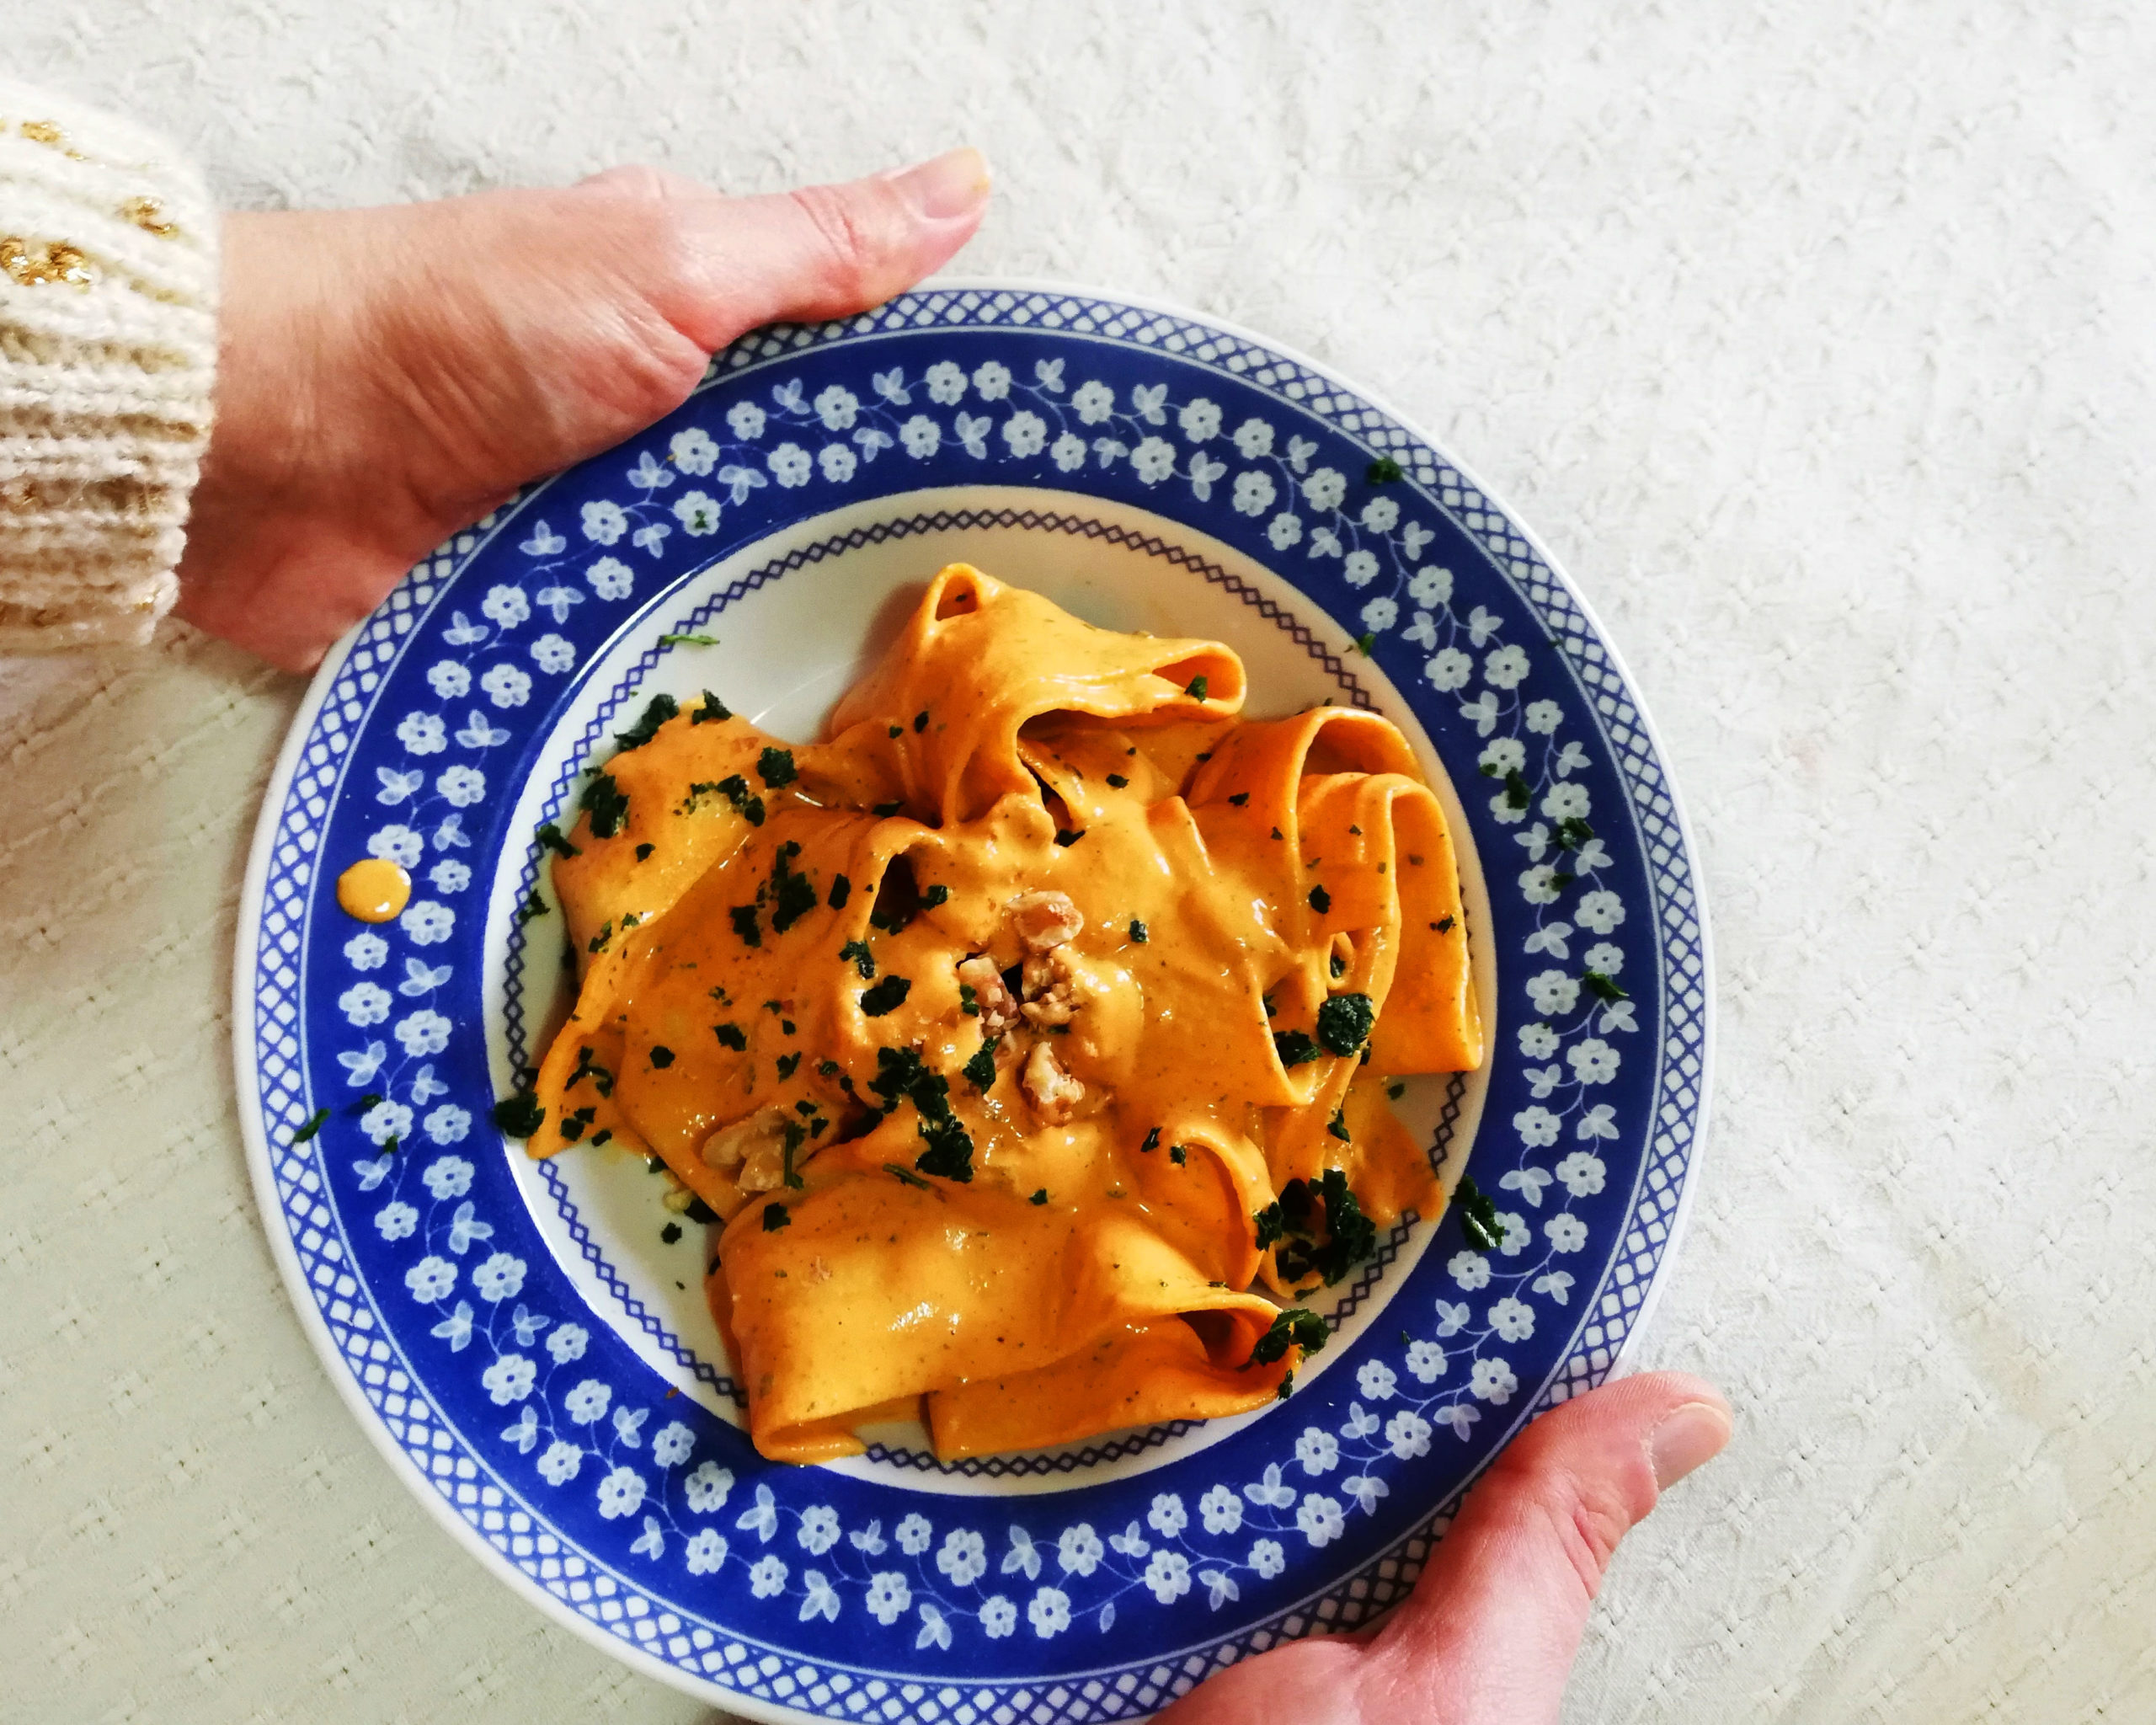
{"x": 1339, "y": 966}
{"x": 1294, "y": 1047}
{"x": 1603, "y": 988}
{"x": 550, "y": 835}
{"x": 1443, "y": 925}
{"x": 885, "y": 996}
{"x": 1478, "y": 1216}
{"x": 1116, "y": 781}
{"x": 1517, "y": 794}
{"x": 699, "y": 1211}
{"x": 896, "y": 730}
{"x": 841, "y": 890}
{"x": 775, "y": 1218}
{"x": 1066, "y": 837}
{"x": 670, "y": 1233}
{"x": 1139, "y": 933}
{"x": 920, "y": 721}
{"x": 980, "y": 1070}
{"x": 1366, "y": 643}
{"x": 311, "y": 1125}
{"x": 1039, "y": 1197}
{"x": 950, "y": 1153}
{"x": 1240, "y": 800}
{"x": 712, "y": 711}
{"x": 1396, "y": 1091}
{"x": 1152, "y": 1140}
{"x": 1197, "y": 688}
{"x": 683, "y": 638}
{"x": 1384, "y": 471}
{"x": 597, "y": 943}
{"x": 775, "y": 767}
{"x": 1175, "y": 1154}
{"x": 519, "y": 1115}
{"x": 1295, "y": 1327}
{"x": 788, "y": 1065}
{"x": 606, "y": 804}
{"x": 656, "y": 713}
{"x": 731, "y": 1036}
{"x": 937, "y": 894}
{"x": 1268, "y": 1224}
{"x": 906, "y": 1176}
{"x": 661, "y": 1056}
{"x": 744, "y": 918}
{"x": 1345, "y": 1021}
{"x": 864, "y": 961}
{"x": 1321, "y": 900}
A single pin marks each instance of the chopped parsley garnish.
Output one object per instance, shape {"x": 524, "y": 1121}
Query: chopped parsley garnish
{"x": 980, "y": 1070}
{"x": 896, "y": 730}
{"x": 644, "y": 852}
{"x": 969, "y": 1000}
{"x": 1152, "y": 1140}
{"x": 607, "y": 805}
{"x": 905, "y": 1176}
{"x": 1175, "y": 1154}
{"x": 1572, "y": 832}
{"x": 313, "y": 1125}
{"x": 1395, "y": 1090}
{"x": 1265, "y": 1001}
{"x": 888, "y": 994}
{"x": 550, "y": 835}
{"x": 744, "y": 918}
{"x": 682, "y": 638}
{"x": 793, "y": 896}
{"x": 1241, "y": 799}
{"x": 1603, "y": 988}
{"x": 1268, "y": 1224}
{"x": 1351, "y": 1235}
{"x": 573, "y": 1125}
{"x": 1197, "y": 688}
{"x": 1337, "y": 1125}
{"x": 1287, "y": 1387}
{"x": 920, "y": 721}
{"x": 699, "y": 1211}
{"x": 1384, "y": 470}
{"x": 864, "y": 961}
{"x": 1517, "y": 794}
{"x": 602, "y": 1080}
{"x": 1366, "y": 643}
{"x": 597, "y": 943}
{"x": 1277, "y": 833}
{"x": 1478, "y": 1216}
{"x": 661, "y": 1055}
{"x": 1563, "y": 878}
{"x": 1345, "y": 1021}
{"x": 1138, "y": 931}
{"x": 519, "y": 1115}
{"x": 1294, "y": 1047}
{"x": 1066, "y": 837}
{"x": 1339, "y": 965}
{"x": 670, "y": 1233}
{"x": 730, "y": 1036}
{"x": 1443, "y": 925}
{"x": 1039, "y": 1197}
{"x": 937, "y": 894}
{"x": 1320, "y": 899}
{"x": 830, "y": 1068}
{"x": 796, "y": 1135}
{"x": 950, "y": 1153}
{"x": 1116, "y": 781}
{"x": 902, "y": 1076}
{"x": 1295, "y": 1327}
{"x": 775, "y": 767}
{"x": 660, "y": 708}
{"x": 714, "y": 709}
{"x": 841, "y": 890}
{"x": 775, "y": 1218}
{"x": 788, "y": 1065}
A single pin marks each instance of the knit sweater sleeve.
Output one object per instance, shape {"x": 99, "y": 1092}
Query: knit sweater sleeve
{"x": 108, "y": 351}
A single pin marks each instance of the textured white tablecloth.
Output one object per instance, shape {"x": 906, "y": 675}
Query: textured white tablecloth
{"x": 1815, "y": 341}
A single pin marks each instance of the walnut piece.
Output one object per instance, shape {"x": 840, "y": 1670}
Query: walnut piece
{"x": 752, "y": 1148}
{"x": 1051, "y": 989}
{"x": 999, "y": 1013}
{"x": 1045, "y": 920}
{"x": 1053, "y": 1091}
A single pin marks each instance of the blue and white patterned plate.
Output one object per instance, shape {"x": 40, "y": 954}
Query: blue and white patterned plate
{"x": 521, "y": 1340}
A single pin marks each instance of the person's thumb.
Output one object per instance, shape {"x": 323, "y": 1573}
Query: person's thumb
{"x": 1491, "y": 1631}
{"x": 819, "y": 251}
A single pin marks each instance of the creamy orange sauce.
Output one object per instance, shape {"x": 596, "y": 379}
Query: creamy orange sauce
{"x": 1188, "y": 920}
{"x": 373, "y": 890}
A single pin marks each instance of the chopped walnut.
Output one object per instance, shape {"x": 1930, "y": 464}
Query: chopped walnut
{"x": 749, "y": 1146}
{"x": 1053, "y": 1091}
{"x": 999, "y": 1013}
{"x": 1045, "y": 920}
{"x": 1051, "y": 990}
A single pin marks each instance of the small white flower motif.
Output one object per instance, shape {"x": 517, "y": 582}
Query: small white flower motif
{"x": 1493, "y": 1381}
{"x": 396, "y": 1220}
{"x": 1469, "y": 1269}
{"x": 889, "y": 1598}
{"x": 386, "y": 1120}
{"x": 1079, "y": 1550}
{"x": 446, "y": 1125}
{"x": 1539, "y": 885}
{"x": 373, "y": 1173}
{"x": 588, "y": 1401}
{"x": 837, "y": 406}
{"x": 790, "y": 464}
{"x": 1318, "y": 1450}
{"x": 1605, "y": 957}
{"x": 1426, "y": 1361}
{"x": 1361, "y": 1422}
{"x": 1285, "y": 529}
{"x": 819, "y": 1530}
{"x": 891, "y": 385}
{"x": 963, "y": 1556}
{"x": 945, "y": 382}
{"x": 1566, "y": 1233}
{"x": 1380, "y": 614}
{"x": 448, "y": 678}
{"x": 361, "y": 1065}
{"x": 1582, "y": 1173}
{"x": 1048, "y": 374}
{"x": 1556, "y": 1284}
{"x": 1592, "y": 1061}
{"x": 449, "y": 875}
{"x": 1203, "y": 471}
{"x": 1414, "y": 537}
{"x": 869, "y": 1538}
{"x": 1023, "y": 1555}
{"x": 604, "y": 522}
{"x": 463, "y": 786}
{"x": 1599, "y": 1121}
{"x": 1167, "y": 1577}
{"x": 922, "y": 435}
{"x": 1407, "y": 1434}
{"x": 1376, "y": 1379}
{"x": 1507, "y": 812}
{"x": 1130, "y": 1543}
{"x": 1601, "y": 911}
{"x": 509, "y": 1379}
{"x": 422, "y": 734}
{"x": 500, "y": 1277}
{"x": 1452, "y": 1317}
{"x": 1324, "y": 542}
{"x": 767, "y": 1577}
{"x": 706, "y": 1552}
{"x": 1550, "y": 938}
{"x": 507, "y": 606}
{"x": 1200, "y": 421}
{"x": 1253, "y": 439}
{"x": 505, "y": 685}
{"x": 1530, "y": 1183}
{"x": 914, "y": 1534}
{"x": 707, "y": 1489}
{"x": 1447, "y": 669}
{"x": 1381, "y": 515}
{"x": 552, "y": 653}
{"x": 837, "y": 461}
{"x": 694, "y": 452}
{"x": 1026, "y": 433}
{"x": 628, "y": 1423}
{"x": 1269, "y": 1493}
{"x": 1502, "y": 756}
{"x": 1535, "y": 841}
{"x": 1324, "y": 490}
{"x": 1221, "y": 1510}
{"x": 1068, "y": 452}
{"x": 760, "y": 1518}
{"x": 366, "y": 952}
{"x": 1567, "y": 802}
{"x": 462, "y": 632}
{"x": 1360, "y": 569}
{"x": 423, "y": 1032}
{"x": 1153, "y": 460}
{"x": 1365, "y": 1488}
{"x": 447, "y": 1177}
{"x": 1254, "y": 493}
{"x": 646, "y": 475}
{"x": 745, "y": 420}
{"x": 1543, "y": 717}
{"x": 972, "y": 431}
{"x": 559, "y": 1465}
{"x": 397, "y": 844}
{"x": 1267, "y": 1559}
{"x": 1538, "y": 1127}
{"x": 1513, "y": 1320}
{"x": 652, "y": 535}
{"x": 651, "y": 1543}
{"x": 1554, "y": 994}
{"x": 525, "y": 1434}
{"x": 998, "y": 1616}
{"x": 1149, "y": 401}
{"x": 1093, "y": 402}
{"x": 1431, "y": 586}
{"x": 363, "y": 1003}
{"x": 935, "y": 1631}
{"x": 671, "y": 1447}
{"x": 1320, "y": 1519}
{"x": 1538, "y": 1042}
{"x": 612, "y": 578}
{"x": 1513, "y": 1233}
{"x": 1049, "y": 1613}
{"x": 426, "y": 924}
{"x": 1481, "y": 625}
{"x": 1542, "y": 1080}
{"x": 527, "y": 1325}
{"x": 993, "y": 381}
{"x": 431, "y": 1279}
{"x": 1167, "y": 1517}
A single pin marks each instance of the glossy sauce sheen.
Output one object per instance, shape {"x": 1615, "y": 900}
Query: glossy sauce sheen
{"x": 374, "y": 890}
{"x": 1257, "y": 858}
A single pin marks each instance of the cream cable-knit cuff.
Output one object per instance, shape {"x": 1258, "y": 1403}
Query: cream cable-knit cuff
{"x": 108, "y": 351}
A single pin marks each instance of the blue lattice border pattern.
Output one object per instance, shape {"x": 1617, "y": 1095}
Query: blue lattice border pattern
{"x": 643, "y": 1561}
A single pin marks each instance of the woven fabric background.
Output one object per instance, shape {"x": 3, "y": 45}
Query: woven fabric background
{"x": 1815, "y": 341}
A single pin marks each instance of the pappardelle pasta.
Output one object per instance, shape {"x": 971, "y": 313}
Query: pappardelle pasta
{"x": 1028, "y": 1042}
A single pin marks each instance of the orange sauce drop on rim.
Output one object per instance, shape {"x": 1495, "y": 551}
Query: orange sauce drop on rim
{"x": 373, "y": 890}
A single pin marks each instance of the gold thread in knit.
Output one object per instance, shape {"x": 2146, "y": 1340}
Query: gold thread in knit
{"x": 149, "y": 215}
{"x": 44, "y": 131}
{"x": 30, "y": 264}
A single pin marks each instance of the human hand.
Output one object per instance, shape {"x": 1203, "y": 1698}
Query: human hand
{"x": 387, "y": 375}
{"x": 1488, "y": 1636}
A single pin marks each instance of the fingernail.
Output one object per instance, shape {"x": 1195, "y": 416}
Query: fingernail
{"x": 1693, "y": 1434}
{"x": 947, "y": 186}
